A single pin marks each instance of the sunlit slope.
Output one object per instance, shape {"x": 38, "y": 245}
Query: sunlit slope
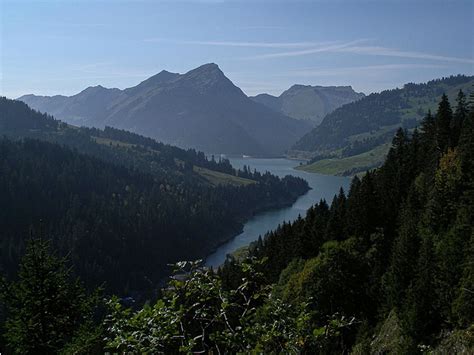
{"x": 368, "y": 124}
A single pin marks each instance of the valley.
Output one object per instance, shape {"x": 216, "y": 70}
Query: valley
{"x": 322, "y": 187}
{"x": 236, "y": 177}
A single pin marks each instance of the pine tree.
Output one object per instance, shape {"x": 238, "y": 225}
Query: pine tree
{"x": 429, "y": 153}
{"x": 463, "y": 306}
{"x": 458, "y": 119}
{"x": 444, "y": 117}
{"x": 466, "y": 146}
{"x": 336, "y": 223}
{"x": 421, "y": 316}
{"x": 46, "y": 309}
{"x": 405, "y": 251}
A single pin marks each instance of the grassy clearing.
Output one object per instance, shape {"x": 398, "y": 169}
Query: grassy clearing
{"x": 338, "y": 166}
{"x": 213, "y": 177}
{"x": 107, "y": 141}
{"x": 373, "y": 134}
{"x": 218, "y": 178}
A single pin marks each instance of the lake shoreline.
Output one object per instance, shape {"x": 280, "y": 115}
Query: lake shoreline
{"x": 321, "y": 187}
{"x": 233, "y": 234}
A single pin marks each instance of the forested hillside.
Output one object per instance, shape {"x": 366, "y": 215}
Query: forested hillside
{"x": 396, "y": 251}
{"x": 385, "y": 268}
{"x": 367, "y": 125}
{"x": 121, "y": 205}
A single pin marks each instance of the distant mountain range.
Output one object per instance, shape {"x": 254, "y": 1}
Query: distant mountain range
{"x": 357, "y": 135}
{"x": 309, "y": 103}
{"x": 200, "y": 109}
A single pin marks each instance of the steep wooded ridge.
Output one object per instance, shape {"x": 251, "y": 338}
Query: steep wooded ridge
{"x": 309, "y": 103}
{"x": 396, "y": 252}
{"x": 200, "y": 109}
{"x": 386, "y": 268}
{"x": 123, "y": 206}
{"x": 363, "y": 129}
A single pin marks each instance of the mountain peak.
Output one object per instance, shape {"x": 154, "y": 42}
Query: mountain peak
{"x": 162, "y": 77}
{"x": 299, "y": 86}
{"x": 210, "y": 77}
{"x": 309, "y": 102}
{"x": 208, "y": 67}
{"x": 93, "y": 90}
{"x": 95, "y": 87}
{"x": 206, "y": 70}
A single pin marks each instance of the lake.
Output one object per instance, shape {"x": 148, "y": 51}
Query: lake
{"x": 322, "y": 187}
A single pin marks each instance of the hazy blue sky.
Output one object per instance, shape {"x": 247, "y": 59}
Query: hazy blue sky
{"x": 61, "y": 47}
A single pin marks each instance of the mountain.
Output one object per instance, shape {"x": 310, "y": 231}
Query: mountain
{"x": 356, "y": 136}
{"x": 201, "y": 109}
{"x": 309, "y": 103}
{"x": 122, "y": 206}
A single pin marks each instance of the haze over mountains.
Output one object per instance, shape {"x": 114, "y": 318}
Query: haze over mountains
{"x": 201, "y": 109}
{"x": 309, "y": 103}
{"x": 360, "y": 132}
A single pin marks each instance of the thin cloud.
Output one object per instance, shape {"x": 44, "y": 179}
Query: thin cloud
{"x": 332, "y": 47}
{"x": 263, "y": 27}
{"x": 244, "y": 44}
{"x": 389, "y": 52}
{"x": 358, "y": 69}
{"x": 72, "y": 24}
{"x": 352, "y": 47}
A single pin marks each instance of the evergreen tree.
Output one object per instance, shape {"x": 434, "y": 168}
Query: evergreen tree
{"x": 429, "y": 153}
{"x": 336, "y": 224}
{"x": 466, "y": 148}
{"x": 421, "y": 317}
{"x": 458, "y": 119}
{"x": 405, "y": 251}
{"x": 463, "y": 305}
{"x": 46, "y": 308}
{"x": 444, "y": 117}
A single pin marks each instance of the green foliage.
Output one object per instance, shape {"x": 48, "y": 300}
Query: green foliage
{"x": 443, "y": 122}
{"x": 459, "y": 117}
{"x": 197, "y": 315}
{"x": 334, "y": 281}
{"x": 463, "y": 305}
{"x": 388, "y": 338}
{"x": 46, "y": 308}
